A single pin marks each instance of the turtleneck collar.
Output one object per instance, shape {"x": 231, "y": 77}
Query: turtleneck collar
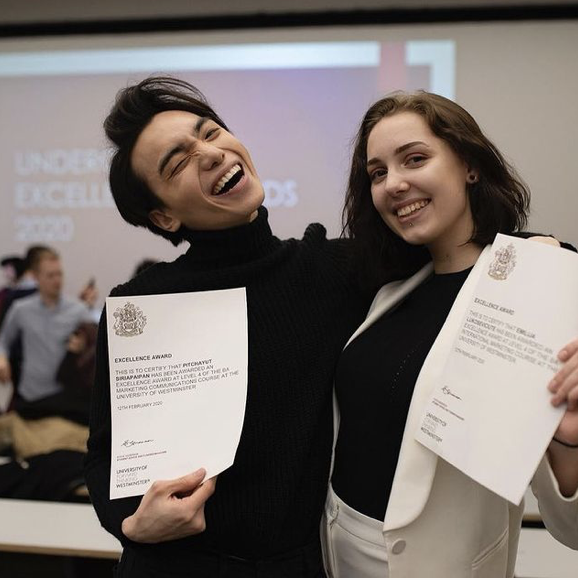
{"x": 232, "y": 246}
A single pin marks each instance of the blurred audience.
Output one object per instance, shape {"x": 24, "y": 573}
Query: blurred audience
{"x": 44, "y": 321}
{"x": 45, "y": 433}
{"x": 75, "y": 375}
{"x": 23, "y": 282}
{"x": 89, "y": 295}
{"x": 12, "y": 270}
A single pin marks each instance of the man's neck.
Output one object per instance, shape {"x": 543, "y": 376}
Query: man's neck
{"x": 50, "y": 301}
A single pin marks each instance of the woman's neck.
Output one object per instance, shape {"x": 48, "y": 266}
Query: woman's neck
{"x": 447, "y": 260}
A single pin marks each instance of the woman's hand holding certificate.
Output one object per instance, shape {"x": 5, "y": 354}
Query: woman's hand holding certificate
{"x": 563, "y": 451}
{"x": 564, "y": 385}
{"x": 171, "y": 509}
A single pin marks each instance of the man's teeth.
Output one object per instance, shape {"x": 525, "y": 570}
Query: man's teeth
{"x": 411, "y": 208}
{"x": 224, "y": 180}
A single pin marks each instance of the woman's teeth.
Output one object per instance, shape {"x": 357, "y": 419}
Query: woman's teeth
{"x": 408, "y": 209}
{"x": 225, "y": 179}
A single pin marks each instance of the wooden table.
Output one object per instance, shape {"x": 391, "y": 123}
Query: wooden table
{"x": 54, "y": 528}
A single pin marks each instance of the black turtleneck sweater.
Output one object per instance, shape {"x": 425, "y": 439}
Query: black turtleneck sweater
{"x": 302, "y": 308}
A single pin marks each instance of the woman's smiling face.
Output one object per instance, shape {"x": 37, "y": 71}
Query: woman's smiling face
{"x": 203, "y": 175}
{"x": 418, "y": 183}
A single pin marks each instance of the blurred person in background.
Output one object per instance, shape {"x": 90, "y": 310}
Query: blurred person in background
{"x": 12, "y": 270}
{"x": 44, "y": 323}
{"x": 24, "y": 282}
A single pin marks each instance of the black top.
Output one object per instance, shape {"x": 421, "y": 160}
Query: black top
{"x": 302, "y": 308}
{"x": 374, "y": 383}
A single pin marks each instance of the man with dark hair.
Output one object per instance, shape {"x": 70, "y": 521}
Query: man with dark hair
{"x": 133, "y": 195}
{"x": 43, "y": 321}
{"x": 179, "y": 172}
{"x": 35, "y": 254}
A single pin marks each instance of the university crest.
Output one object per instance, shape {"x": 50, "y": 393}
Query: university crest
{"x": 129, "y": 320}
{"x": 503, "y": 263}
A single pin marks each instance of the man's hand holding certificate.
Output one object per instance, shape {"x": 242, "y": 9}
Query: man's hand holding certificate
{"x": 491, "y": 415}
{"x": 178, "y": 380}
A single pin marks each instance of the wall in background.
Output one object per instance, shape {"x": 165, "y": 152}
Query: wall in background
{"x": 519, "y": 79}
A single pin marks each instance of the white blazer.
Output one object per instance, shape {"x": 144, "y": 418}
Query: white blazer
{"x": 439, "y": 522}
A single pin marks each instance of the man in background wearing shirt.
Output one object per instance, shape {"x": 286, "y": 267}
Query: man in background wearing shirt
{"x": 44, "y": 321}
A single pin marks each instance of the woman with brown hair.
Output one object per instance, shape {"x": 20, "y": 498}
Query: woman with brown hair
{"x": 427, "y": 192}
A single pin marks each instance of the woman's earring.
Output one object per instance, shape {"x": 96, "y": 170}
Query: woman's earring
{"x": 472, "y": 178}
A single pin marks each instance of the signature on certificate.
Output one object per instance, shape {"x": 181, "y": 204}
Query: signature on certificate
{"x": 132, "y": 443}
{"x": 446, "y": 390}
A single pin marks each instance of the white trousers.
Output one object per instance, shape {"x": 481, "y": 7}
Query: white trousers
{"x": 353, "y": 543}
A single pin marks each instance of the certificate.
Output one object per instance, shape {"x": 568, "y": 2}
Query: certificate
{"x": 178, "y": 385}
{"x": 490, "y": 415}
